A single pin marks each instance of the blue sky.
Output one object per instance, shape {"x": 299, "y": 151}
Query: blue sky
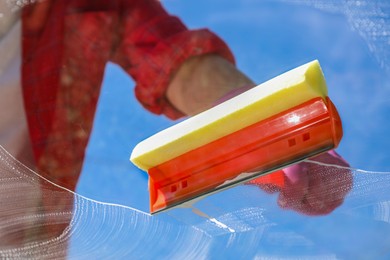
{"x": 267, "y": 38}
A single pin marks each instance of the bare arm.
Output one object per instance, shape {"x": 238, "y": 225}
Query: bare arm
{"x": 202, "y": 80}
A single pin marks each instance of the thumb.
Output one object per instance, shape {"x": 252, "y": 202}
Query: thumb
{"x": 296, "y": 187}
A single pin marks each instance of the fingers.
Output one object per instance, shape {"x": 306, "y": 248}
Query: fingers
{"x": 313, "y": 189}
{"x": 309, "y": 188}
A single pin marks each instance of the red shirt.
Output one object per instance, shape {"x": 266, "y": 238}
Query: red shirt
{"x": 65, "y": 51}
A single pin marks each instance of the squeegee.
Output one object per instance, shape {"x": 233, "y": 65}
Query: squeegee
{"x": 271, "y": 126}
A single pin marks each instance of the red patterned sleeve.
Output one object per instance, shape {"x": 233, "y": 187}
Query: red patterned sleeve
{"x": 153, "y": 46}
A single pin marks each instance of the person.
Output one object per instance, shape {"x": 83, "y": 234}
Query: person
{"x": 57, "y": 70}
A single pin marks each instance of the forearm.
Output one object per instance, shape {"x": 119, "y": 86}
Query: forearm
{"x": 156, "y": 45}
{"x": 202, "y": 80}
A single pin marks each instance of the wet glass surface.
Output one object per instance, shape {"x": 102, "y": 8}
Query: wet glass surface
{"x": 109, "y": 219}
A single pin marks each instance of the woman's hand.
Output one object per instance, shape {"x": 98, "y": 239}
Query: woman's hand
{"x": 310, "y": 188}
{"x": 315, "y": 189}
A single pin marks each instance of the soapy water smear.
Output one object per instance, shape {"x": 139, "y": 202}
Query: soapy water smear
{"x": 29, "y": 230}
{"x": 242, "y": 222}
{"x": 370, "y": 18}
{"x": 254, "y": 228}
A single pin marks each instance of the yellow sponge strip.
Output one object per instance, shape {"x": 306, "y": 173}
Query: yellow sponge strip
{"x": 274, "y": 96}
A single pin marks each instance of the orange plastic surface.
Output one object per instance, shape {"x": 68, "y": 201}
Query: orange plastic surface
{"x": 288, "y": 137}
